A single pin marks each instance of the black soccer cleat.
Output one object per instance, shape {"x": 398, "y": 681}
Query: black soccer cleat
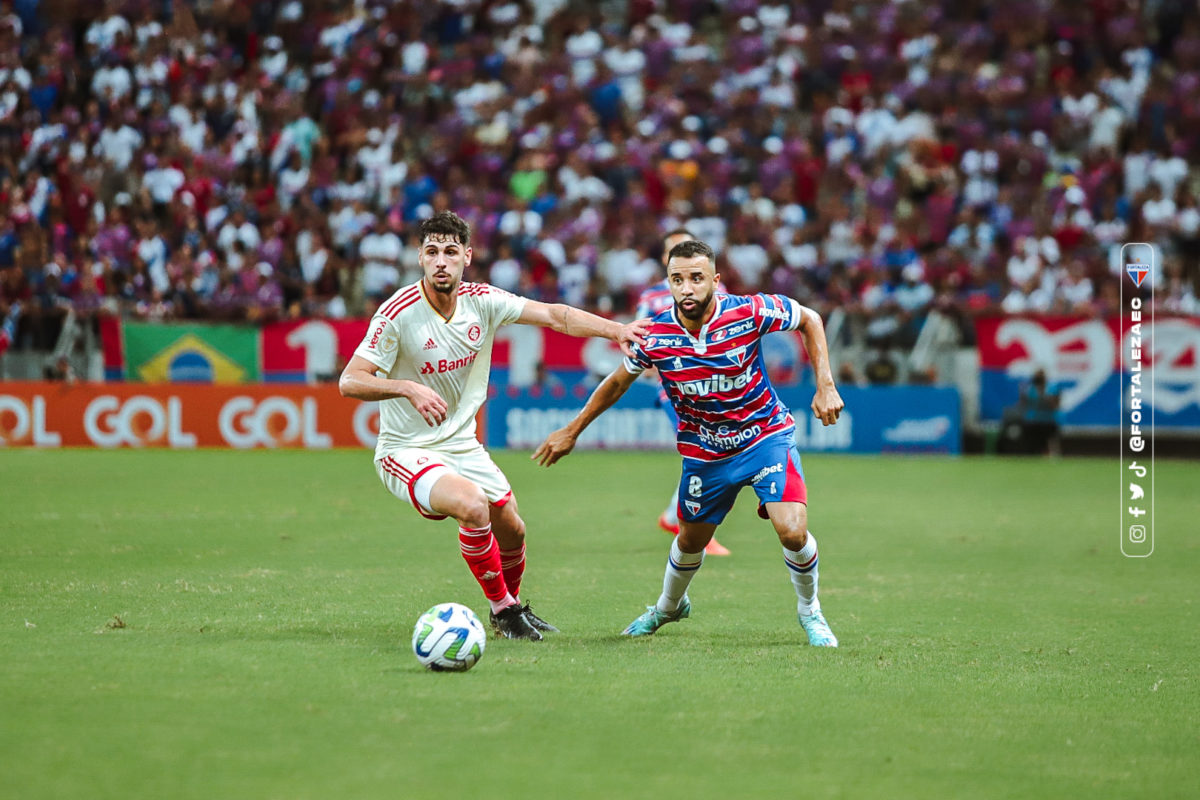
{"x": 512, "y": 624}
{"x": 537, "y": 621}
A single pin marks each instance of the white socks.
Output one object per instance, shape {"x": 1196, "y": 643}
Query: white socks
{"x": 681, "y": 568}
{"x": 802, "y": 565}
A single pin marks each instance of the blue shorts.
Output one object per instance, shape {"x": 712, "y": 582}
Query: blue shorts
{"x": 707, "y": 489}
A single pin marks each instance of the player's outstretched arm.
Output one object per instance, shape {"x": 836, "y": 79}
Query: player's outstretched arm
{"x": 360, "y": 382}
{"x": 827, "y": 404}
{"x": 562, "y": 441}
{"x": 576, "y": 322}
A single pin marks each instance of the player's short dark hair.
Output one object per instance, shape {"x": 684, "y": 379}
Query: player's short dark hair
{"x": 692, "y": 248}
{"x": 446, "y": 224}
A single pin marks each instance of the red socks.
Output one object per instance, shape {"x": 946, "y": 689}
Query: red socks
{"x": 482, "y": 555}
{"x": 512, "y": 564}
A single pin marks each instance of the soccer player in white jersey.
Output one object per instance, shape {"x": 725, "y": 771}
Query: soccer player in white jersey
{"x": 653, "y": 301}
{"x": 733, "y": 429}
{"x": 426, "y": 358}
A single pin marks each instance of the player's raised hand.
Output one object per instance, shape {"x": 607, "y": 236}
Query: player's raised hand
{"x": 827, "y": 404}
{"x": 428, "y": 403}
{"x": 631, "y": 334}
{"x": 557, "y": 445}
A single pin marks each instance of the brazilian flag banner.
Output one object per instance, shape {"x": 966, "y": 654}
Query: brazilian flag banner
{"x": 166, "y": 353}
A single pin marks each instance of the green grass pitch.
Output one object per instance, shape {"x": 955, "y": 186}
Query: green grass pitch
{"x": 236, "y": 625}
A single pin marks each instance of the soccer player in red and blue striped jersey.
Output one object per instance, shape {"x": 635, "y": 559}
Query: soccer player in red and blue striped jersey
{"x": 653, "y": 301}
{"x": 733, "y": 429}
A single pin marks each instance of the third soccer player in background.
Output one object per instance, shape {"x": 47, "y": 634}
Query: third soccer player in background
{"x": 733, "y": 429}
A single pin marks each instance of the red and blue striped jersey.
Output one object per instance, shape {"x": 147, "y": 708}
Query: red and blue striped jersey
{"x": 654, "y": 300}
{"x": 716, "y": 380}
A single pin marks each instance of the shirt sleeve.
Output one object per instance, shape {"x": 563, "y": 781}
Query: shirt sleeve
{"x": 639, "y": 362}
{"x": 504, "y": 307}
{"x": 777, "y": 313}
{"x": 381, "y": 345}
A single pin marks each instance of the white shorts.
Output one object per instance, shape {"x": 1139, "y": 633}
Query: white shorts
{"x": 410, "y": 475}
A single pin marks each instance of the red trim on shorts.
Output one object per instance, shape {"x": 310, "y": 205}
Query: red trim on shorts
{"x": 794, "y": 490}
{"x": 503, "y": 501}
{"x": 410, "y": 482}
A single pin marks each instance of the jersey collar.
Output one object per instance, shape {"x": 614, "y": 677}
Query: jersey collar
{"x": 425, "y": 297}
{"x": 700, "y": 341}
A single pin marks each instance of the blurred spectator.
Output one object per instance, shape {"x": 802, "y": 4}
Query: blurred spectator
{"x": 1031, "y": 426}
{"x": 881, "y": 369}
{"x": 505, "y": 271}
{"x": 8, "y": 326}
{"x": 380, "y": 253}
{"x": 59, "y": 370}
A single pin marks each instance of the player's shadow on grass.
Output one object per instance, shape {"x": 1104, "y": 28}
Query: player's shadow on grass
{"x": 727, "y": 639}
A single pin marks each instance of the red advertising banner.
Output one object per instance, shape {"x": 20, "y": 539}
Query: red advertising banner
{"x": 300, "y": 351}
{"x": 1082, "y": 358}
{"x": 1048, "y": 341}
{"x": 183, "y": 416}
{"x": 309, "y": 350}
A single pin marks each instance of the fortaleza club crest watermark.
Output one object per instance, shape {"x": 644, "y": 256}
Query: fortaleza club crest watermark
{"x": 1137, "y": 400}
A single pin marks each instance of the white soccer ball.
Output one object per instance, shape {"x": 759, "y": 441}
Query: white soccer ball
{"x": 449, "y": 638}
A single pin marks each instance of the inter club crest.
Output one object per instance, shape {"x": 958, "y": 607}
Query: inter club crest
{"x": 1137, "y": 271}
{"x": 474, "y": 332}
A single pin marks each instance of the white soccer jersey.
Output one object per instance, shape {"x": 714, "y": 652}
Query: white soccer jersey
{"x": 409, "y": 340}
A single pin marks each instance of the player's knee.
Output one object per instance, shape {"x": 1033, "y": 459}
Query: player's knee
{"x": 516, "y": 528}
{"x": 693, "y": 540}
{"x": 474, "y": 511}
{"x": 793, "y": 529}
{"x": 794, "y": 538}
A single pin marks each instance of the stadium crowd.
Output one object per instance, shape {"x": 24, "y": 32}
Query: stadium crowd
{"x": 237, "y": 160}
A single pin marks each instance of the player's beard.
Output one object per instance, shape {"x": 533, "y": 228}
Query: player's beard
{"x": 698, "y": 310}
{"x": 444, "y": 288}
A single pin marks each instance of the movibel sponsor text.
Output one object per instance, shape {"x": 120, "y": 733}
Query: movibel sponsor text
{"x": 715, "y": 384}
{"x": 775, "y": 313}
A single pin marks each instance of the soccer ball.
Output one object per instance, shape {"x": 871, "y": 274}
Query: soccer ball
{"x": 449, "y": 638}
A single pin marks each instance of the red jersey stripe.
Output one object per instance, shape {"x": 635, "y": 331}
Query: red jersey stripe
{"x": 396, "y": 312}
{"x": 403, "y": 297}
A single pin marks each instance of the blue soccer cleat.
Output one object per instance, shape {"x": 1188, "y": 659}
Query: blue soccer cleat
{"x": 654, "y": 619}
{"x": 819, "y": 634}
